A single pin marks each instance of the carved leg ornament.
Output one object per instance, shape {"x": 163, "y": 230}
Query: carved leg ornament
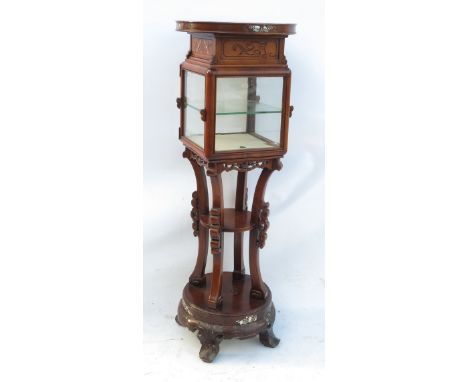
{"x": 215, "y": 231}
{"x": 210, "y": 344}
{"x": 194, "y": 214}
{"x": 216, "y": 244}
{"x": 263, "y": 224}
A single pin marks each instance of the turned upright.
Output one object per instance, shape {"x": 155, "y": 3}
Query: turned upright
{"x": 234, "y": 113}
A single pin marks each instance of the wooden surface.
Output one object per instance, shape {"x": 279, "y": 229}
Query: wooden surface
{"x": 235, "y": 28}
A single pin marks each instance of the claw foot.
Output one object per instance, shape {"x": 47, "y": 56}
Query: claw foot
{"x": 208, "y": 352}
{"x": 268, "y": 338}
{"x": 210, "y": 345}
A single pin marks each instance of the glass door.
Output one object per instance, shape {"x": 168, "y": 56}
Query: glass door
{"x": 248, "y": 113}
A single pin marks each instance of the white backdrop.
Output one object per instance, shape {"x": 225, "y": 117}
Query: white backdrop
{"x": 292, "y": 260}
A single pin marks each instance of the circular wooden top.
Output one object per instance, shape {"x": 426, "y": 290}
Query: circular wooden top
{"x": 235, "y": 28}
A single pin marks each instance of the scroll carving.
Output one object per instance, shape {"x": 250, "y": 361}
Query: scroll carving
{"x": 245, "y": 166}
{"x": 242, "y": 48}
{"x": 215, "y": 168}
{"x": 215, "y": 231}
{"x": 195, "y": 214}
{"x": 291, "y": 108}
{"x": 190, "y": 155}
{"x": 263, "y": 224}
{"x": 250, "y": 49}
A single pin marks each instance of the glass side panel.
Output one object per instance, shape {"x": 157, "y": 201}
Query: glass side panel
{"x": 248, "y": 112}
{"x": 194, "y": 102}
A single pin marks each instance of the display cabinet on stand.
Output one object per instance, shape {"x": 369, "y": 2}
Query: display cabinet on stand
{"x": 234, "y": 115}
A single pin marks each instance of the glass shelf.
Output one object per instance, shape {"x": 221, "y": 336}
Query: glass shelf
{"x": 246, "y": 108}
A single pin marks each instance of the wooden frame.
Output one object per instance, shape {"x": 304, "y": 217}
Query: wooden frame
{"x": 221, "y": 305}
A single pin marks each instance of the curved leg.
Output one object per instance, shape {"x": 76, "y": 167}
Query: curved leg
{"x": 210, "y": 345}
{"x": 241, "y": 205}
{"x": 260, "y": 212}
{"x": 216, "y": 232}
{"x": 199, "y": 207}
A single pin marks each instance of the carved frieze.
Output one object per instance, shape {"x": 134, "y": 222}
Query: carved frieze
{"x": 250, "y": 48}
{"x": 215, "y": 168}
{"x": 190, "y": 155}
{"x": 245, "y": 166}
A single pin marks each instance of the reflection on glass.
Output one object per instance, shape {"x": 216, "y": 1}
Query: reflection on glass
{"x": 194, "y": 102}
{"x": 248, "y": 112}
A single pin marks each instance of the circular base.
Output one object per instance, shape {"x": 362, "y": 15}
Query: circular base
{"x": 239, "y": 315}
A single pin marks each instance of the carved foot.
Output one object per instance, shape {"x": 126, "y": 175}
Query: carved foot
{"x": 268, "y": 338}
{"x": 210, "y": 345}
{"x": 208, "y": 352}
{"x": 177, "y": 320}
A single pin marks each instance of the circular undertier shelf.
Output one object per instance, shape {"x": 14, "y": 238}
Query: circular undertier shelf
{"x": 234, "y": 221}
